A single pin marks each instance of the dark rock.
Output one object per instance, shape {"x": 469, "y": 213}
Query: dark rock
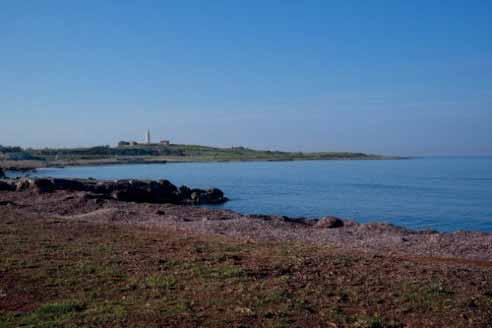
{"x": 139, "y": 191}
{"x": 121, "y": 185}
{"x": 129, "y": 191}
{"x": 261, "y": 217}
{"x": 217, "y": 218}
{"x": 7, "y": 186}
{"x": 92, "y": 195}
{"x": 120, "y": 195}
{"x": 2, "y": 173}
{"x": 184, "y": 192}
{"x": 329, "y": 222}
{"x": 211, "y": 196}
{"x": 168, "y": 186}
{"x": 102, "y": 187}
{"x": 43, "y": 185}
{"x": 302, "y": 221}
{"x": 130, "y": 195}
{"x": 215, "y": 196}
{"x": 200, "y": 191}
{"x": 69, "y": 184}
{"x": 197, "y": 197}
{"x": 145, "y": 191}
{"x": 164, "y": 192}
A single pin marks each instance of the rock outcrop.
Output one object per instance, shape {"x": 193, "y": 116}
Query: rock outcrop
{"x": 329, "y": 222}
{"x": 139, "y": 191}
{"x": 210, "y": 196}
{"x": 23, "y": 184}
{"x": 7, "y": 186}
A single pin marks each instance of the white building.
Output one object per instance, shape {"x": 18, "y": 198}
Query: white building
{"x": 147, "y": 137}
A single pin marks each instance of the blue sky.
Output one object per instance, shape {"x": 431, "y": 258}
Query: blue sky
{"x": 389, "y": 77}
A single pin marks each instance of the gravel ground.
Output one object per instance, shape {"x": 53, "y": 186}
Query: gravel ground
{"x": 373, "y": 238}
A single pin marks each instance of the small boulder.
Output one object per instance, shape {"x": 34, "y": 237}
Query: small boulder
{"x": 215, "y": 196}
{"x": 300, "y": 220}
{"x": 329, "y": 222}
{"x": 210, "y": 196}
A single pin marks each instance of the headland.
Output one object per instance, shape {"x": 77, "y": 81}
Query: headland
{"x": 17, "y": 158}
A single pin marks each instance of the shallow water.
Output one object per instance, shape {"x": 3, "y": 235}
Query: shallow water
{"x": 446, "y": 194}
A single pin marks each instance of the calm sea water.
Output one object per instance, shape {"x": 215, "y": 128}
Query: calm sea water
{"x": 446, "y": 194}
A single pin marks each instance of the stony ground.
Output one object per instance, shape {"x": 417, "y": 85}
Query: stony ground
{"x": 67, "y": 259}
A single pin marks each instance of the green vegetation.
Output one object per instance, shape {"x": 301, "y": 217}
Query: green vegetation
{"x": 51, "y": 311}
{"x": 185, "y": 151}
{"x": 69, "y": 273}
{"x": 161, "y": 281}
{"x": 158, "y": 153}
{"x": 16, "y": 154}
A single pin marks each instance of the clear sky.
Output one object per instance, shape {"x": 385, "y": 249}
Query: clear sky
{"x": 389, "y": 77}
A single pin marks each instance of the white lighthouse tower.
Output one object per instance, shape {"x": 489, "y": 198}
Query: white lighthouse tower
{"x": 147, "y": 137}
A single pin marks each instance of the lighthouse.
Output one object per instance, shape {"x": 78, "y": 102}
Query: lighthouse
{"x": 147, "y": 137}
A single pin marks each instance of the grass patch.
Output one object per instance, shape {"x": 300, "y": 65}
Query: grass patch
{"x": 161, "y": 281}
{"x": 143, "y": 278}
{"x": 54, "y": 314}
{"x": 375, "y": 322}
{"x": 175, "y": 309}
{"x": 432, "y": 297}
{"x": 59, "y": 308}
{"x": 218, "y": 271}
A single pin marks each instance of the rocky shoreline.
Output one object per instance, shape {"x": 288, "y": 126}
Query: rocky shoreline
{"x": 140, "y": 191}
{"x": 161, "y": 204}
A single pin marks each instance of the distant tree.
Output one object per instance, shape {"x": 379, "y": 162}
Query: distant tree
{"x": 123, "y": 143}
{"x": 8, "y": 149}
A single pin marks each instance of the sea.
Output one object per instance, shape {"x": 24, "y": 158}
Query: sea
{"x": 433, "y": 193}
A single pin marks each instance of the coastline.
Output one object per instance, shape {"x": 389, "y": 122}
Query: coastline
{"x": 76, "y": 257}
{"x": 371, "y": 237}
{"x": 33, "y": 165}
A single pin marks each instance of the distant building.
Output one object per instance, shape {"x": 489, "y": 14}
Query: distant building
{"x": 123, "y": 143}
{"x": 148, "y": 141}
{"x": 147, "y": 137}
